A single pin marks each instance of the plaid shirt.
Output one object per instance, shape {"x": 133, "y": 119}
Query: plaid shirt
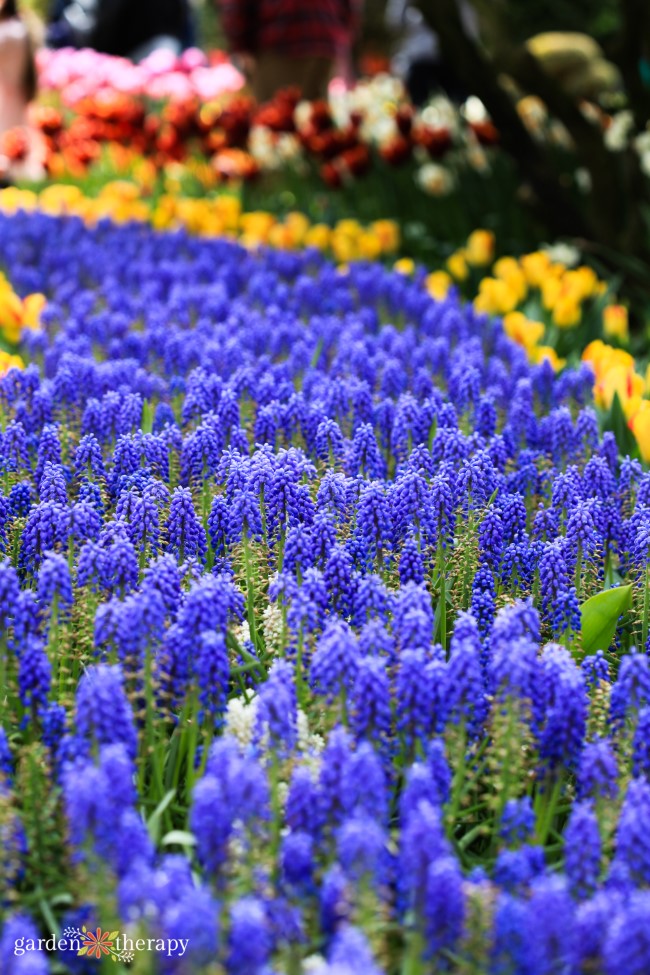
{"x": 295, "y": 28}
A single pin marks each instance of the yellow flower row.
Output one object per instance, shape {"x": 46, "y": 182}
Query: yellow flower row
{"x": 211, "y": 217}
{"x": 562, "y": 291}
{"x": 16, "y": 314}
{"x": 558, "y": 290}
{"x": 616, "y": 375}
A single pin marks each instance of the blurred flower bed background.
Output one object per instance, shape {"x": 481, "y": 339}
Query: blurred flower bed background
{"x": 365, "y": 175}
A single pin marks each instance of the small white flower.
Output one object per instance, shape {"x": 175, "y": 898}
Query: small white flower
{"x": 240, "y": 720}
{"x": 435, "y": 179}
{"x": 242, "y": 632}
{"x": 303, "y": 730}
{"x": 302, "y": 115}
{"x": 315, "y": 965}
{"x": 440, "y": 113}
{"x": 309, "y": 744}
{"x": 388, "y": 87}
{"x": 645, "y": 164}
{"x": 559, "y": 135}
{"x": 478, "y": 158}
{"x": 380, "y": 131}
{"x": 474, "y": 110}
{"x": 562, "y": 254}
{"x": 272, "y": 626}
{"x": 616, "y": 136}
{"x": 288, "y": 147}
{"x": 642, "y": 141}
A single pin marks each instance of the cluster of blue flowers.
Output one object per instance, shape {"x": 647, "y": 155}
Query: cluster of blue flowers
{"x": 291, "y": 661}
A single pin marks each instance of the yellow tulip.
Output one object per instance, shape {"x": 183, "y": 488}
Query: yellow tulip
{"x": 405, "y": 265}
{"x": 9, "y": 361}
{"x": 256, "y": 226}
{"x": 507, "y": 269}
{"x": 496, "y": 297}
{"x": 522, "y": 330}
{"x": 278, "y": 237}
{"x": 639, "y": 424}
{"x": 551, "y": 290}
{"x": 121, "y": 189}
{"x": 212, "y": 226}
{"x": 535, "y": 267}
{"x": 626, "y": 382}
{"x": 457, "y": 265}
{"x": 584, "y": 281}
{"x": 616, "y": 322}
{"x": 388, "y": 233}
{"x": 58, "y": 199}
{"x": 438, "y": 284}
{"x": 566, "y": 311}
{"x": 547, "y": 353}
{"x": 145, "y": 173}
{"x": 350, "y": 227}
{"x": 606, "y": 357}
{"x": 11, "y": 316}
{"x": 480, "y": 248}
{"x": 343, "y": 247}
{"x": 229, "y": 209}
{"x": 318, "y": 236}
{"x": 595, "y": 353}
{"x": 12, "y": 200}
{"x": 369, "y": 246}
{"x": 298, "y": 225}
{"x": 33, "y": 305}
{"x": 161, "y": 218}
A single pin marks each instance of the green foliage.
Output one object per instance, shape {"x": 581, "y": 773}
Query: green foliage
{"x": 38, "y": 7}
{"x": 600, "y": 615}
{"x": 600, "y": 18}
{"x": 616, "y": 422}
{"x": 47, "y": 873}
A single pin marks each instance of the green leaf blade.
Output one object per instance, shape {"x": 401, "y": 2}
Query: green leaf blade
{"x": 600, "y": 615}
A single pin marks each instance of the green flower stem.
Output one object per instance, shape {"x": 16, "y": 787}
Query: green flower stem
{"x": 250, "y": 593}
{"x": 578, "y": 579}
{"x": 548, "y": 810}
{"x": 458, "y": 780}
{"x": 646, "y": 607}
{"x": 512, "y": 741}
{"x": 413, "y": 955}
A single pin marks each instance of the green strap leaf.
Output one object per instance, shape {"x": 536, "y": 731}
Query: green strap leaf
{"x": 155, "y": 820}
{"x": 600, "y": 615}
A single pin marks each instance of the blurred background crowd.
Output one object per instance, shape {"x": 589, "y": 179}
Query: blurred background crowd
{"x": 530, "y": 119}
{"x": 276, "y": 41}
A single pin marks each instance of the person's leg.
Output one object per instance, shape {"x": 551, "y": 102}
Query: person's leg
{"x": 421, "y": 80}
{"x": 316, "y": 75}
{"x": 272, "y": 72}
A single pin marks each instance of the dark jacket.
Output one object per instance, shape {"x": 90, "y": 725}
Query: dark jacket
{"x": 294, "y": 28}
{"x": 117, "y": 26}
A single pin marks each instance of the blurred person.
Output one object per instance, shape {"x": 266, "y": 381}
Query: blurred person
{"x": 419, "y": 60}
{"x": 289, "y": 43}
{"x": 125, "y": 28}
{"x": 22, "y": 151}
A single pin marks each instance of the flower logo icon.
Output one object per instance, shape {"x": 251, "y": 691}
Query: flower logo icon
{"x": 98, "y": 944}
